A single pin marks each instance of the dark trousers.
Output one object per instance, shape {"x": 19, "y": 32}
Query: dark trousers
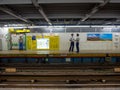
{"x": 77, "y": 46}
{"x": 71, "y": 46}
{"x": 20, "y": 46}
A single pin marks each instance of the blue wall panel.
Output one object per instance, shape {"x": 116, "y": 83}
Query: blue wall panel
{"x": 113, "y": 60}
{"x": 17, "y": 60}
{"x": 76, "y": 60}
{"x": 97, "y": 60}
{"x": 56, "y": 60}
{"x": 31, "y": 60}
{"x": 87, "y": 60}
{"x": 4, "y": 60}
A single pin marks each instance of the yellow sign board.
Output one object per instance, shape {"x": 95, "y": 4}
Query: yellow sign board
{"x": 12, "y": 30}
{"x": 53, "y": 42}
{"x": 28, "y": 42}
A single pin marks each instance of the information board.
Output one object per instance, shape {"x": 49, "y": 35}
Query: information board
{"x": 43, "y": 43}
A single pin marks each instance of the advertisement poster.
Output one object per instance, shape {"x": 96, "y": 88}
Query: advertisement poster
{"x": 99, "y": 37}
{"x": 43, "y": 43}
{"x": 54, "y": 43}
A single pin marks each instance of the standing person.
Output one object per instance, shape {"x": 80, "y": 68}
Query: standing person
{"x": 77, "y": 42}
{"x": 71, "y": 43}
{"x": 20, "y": 43}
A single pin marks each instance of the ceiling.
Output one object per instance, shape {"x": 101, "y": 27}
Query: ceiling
{"x": 60, "y": 12}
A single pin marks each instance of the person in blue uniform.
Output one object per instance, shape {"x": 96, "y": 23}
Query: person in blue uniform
{"x": 71, "y": 48}
{"x": 20, "y": 43}
{"x": 77, "y": 42}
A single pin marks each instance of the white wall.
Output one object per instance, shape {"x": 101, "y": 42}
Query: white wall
{"x": 64, "y": 41}
{"x": 116, "y": 41}
{"x": 84, "y": 44}
{"x": 3, "y": 33}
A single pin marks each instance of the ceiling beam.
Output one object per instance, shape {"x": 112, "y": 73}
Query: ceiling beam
{"x": 70, "y": 1}
{"x": 2, "y": 2}
{"x": 101, "y": 15}
{"x": 75, "y": 1}
{"x": 94, "y": 10}
{"x": 40, "y": 9}
{"x": 12, "y": 13}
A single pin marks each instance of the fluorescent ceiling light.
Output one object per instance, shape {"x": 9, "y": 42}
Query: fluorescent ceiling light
{"x": 36, "y": 26}
{"x": 46, "y": 26}
{"x": 79, "y": 26}
{"x": 118, "y": 26}
{"x": 5, "y": 25}
{"x": 17, "y": 27}
{"x": 107, "y": 26}
{"x": 57, "y": 26}
{"x": 104, "y": 26}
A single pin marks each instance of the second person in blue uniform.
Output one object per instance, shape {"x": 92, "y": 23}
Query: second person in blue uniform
{"x": 77, "y": 42}
{"x": 71, "y": 43}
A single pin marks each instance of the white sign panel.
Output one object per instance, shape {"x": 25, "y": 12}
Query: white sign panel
{"x": 43, "y": 43}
